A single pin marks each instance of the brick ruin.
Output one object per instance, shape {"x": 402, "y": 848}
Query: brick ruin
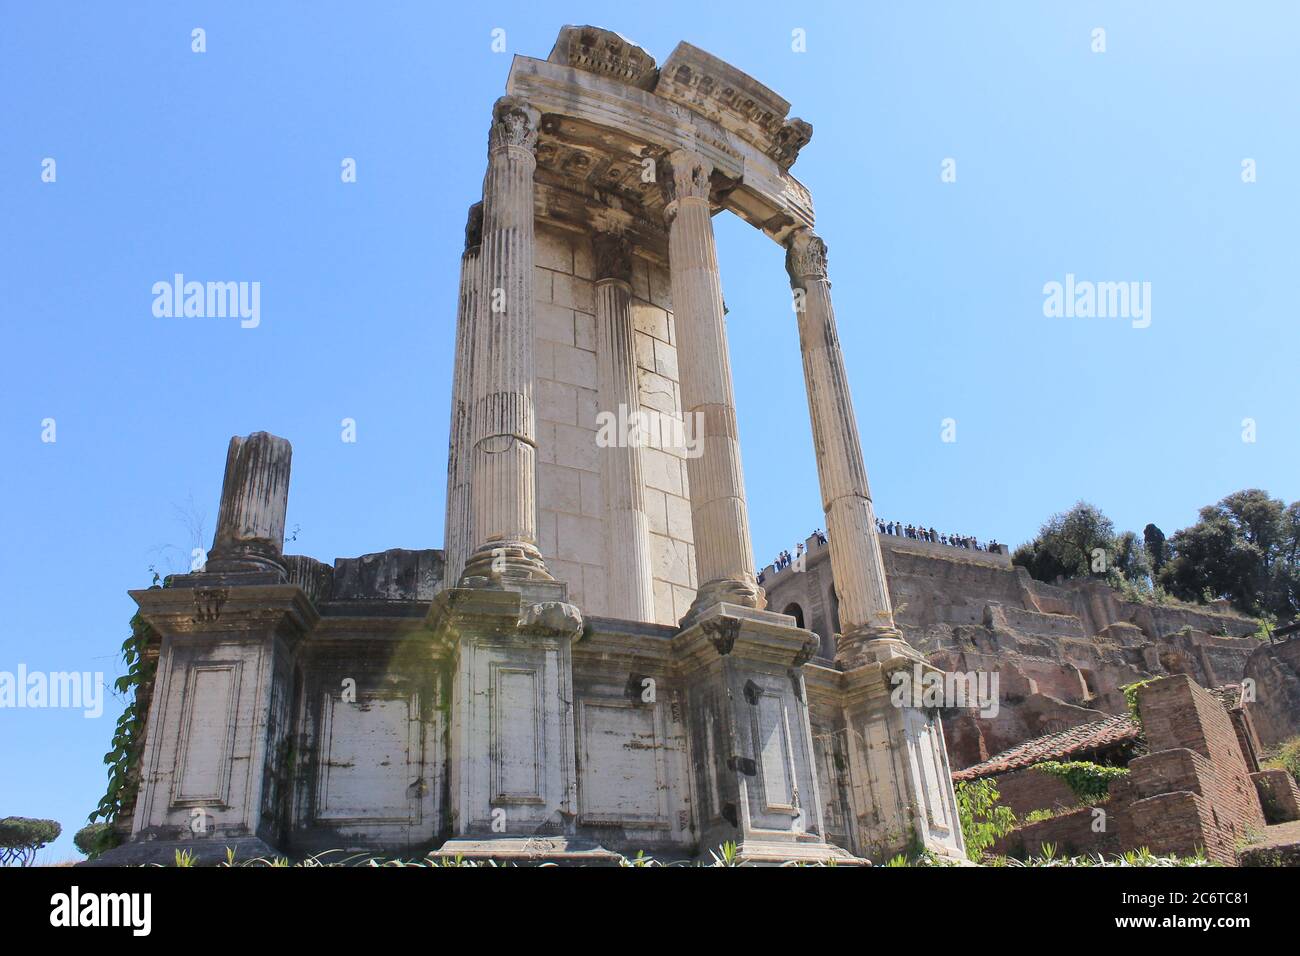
{"x": 1063, "y": 654}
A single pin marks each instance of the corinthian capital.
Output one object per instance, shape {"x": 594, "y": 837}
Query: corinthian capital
{"x": 688, "y": 176}
{"x": 514, "y": 123}
{"x": 613, "y": 257}
{"x": 805, "y": 256}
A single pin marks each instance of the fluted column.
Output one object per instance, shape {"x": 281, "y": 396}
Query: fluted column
{"x": 458, "y": 526}
{"x": 254, "y": 498}
{"x": 723, "y": 554}
{"x": 628, "y": 577}
{"x": 503, "y": 481}
{"x": 856, "y": 563}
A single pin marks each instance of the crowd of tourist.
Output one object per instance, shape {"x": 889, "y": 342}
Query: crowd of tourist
{"x": 916, "y": 532}
{"x": 785, "y": 558}
{"x": 920, "y": 533}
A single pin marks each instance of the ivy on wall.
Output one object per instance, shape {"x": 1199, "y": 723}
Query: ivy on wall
{"x": 1131, "y": 697}
{"x": 124, "y": 756}
{"x": 1089, "y": 781}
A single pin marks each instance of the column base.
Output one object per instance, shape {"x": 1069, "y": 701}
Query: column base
{"x": 504, "y": 566}
{"x": 900, "y": 780}
{"x": 874, "y": 644}
{"x": 248, "y": 560}
{"x": 512, "y": 785}
{"x": 747, "y": 713}
{"x": 708, "y": 596}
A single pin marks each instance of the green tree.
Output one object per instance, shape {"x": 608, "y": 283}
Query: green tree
{"x": 1157, "y": 550}
{"x": 22, "y": 837}
{"x": 1068, "y": 543}
{"x": 1244, "y": 549}
{"x": 1131, "y": 560}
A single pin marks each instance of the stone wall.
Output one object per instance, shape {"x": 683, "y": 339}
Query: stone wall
{"x": 570, "y": 527}
{"x": 1275, "y": 712}
{"x": 1025, "y": 791}
{"x": 1062, "y": 653}
{"x": 631, "y": 741}
{"x": 1278, "y": 795}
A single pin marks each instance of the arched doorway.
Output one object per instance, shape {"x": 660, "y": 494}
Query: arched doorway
{"x": 796, "y": 612}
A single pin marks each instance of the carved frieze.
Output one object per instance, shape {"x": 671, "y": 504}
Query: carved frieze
{"x": 606, "y": 53}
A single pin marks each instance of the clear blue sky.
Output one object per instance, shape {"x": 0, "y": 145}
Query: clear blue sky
{"x": 1118, "y": 166}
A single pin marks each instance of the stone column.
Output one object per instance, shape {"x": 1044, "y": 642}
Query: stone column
{"x": 900, "y": 780}
{"x": 856, "y": 563}
{"x": 503, "y": 496}
{"x": 254, "y": 498}
{"x": 723, "y": 554}
{"x": 459, "y": 522}
{"x": 629, "y": 581}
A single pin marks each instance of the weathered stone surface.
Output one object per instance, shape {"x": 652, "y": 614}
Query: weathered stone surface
{"x": 1279, "y": 797}
{"x": 254, "y": 498}
{"x": 394, "y": 575}
{"x": 1275, "y": 711}
{"x": 314, "y": 577}
{"x": 604, "y": 52}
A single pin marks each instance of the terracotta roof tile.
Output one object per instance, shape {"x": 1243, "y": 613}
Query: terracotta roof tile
{"x": 1107, "y": 732}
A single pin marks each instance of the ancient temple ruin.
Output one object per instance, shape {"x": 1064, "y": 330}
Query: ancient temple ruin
{"x": 588, "y": 667}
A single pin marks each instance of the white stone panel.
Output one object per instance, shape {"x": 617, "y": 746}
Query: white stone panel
{"x": 203, "y": 769}
{"x": 578, "y": 294}
{"x": 370, "y": 755}
{"x": 622, "y": 780}
{"x": 559, "y": 488}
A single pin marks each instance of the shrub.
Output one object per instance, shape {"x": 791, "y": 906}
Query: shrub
{"x": 982, "y": 820}
{"x": 93, "y": 839}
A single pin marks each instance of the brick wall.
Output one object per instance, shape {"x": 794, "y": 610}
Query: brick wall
{"x": 1071, "y": 834}
{"x": 1278, "y": 795}
{"x": 1027, "y": 790}
{"x": 1194, "y": 788}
